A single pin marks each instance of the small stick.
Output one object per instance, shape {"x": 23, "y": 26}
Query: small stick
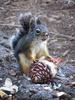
{"x": 66, "y": 36}
{"x": 10, "y": 25}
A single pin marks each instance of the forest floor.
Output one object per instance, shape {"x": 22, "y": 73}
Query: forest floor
{"x": 61, "y": 24}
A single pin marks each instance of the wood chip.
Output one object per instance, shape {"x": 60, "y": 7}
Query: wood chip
{"x": 2, "y": 94}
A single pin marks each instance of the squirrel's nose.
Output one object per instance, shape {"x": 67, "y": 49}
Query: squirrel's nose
{"x": 46, "y": 34}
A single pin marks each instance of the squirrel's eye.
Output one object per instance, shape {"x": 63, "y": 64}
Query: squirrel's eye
{"x": 38, "y": 31}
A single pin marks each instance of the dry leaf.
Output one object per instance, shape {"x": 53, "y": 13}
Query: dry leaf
{"x": 9, "y": 87}
{"x": 8, "y": 82}
{"x": 62, "y": 95}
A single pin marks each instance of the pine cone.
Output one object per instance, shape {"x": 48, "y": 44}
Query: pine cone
{"x": 41, "y": 72}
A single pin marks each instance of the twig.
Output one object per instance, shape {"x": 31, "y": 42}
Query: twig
{"x": 72, "y": 61}
{"x": 10, "y": 25}
{"x": 65, "y": 53}
{"x": 61, "y": 78}
{"x": 66, "y": 36}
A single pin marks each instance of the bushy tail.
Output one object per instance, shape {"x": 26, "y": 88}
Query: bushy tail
{"x": 24, "y": 20}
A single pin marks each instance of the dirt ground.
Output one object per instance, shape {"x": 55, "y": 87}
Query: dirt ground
{"x": 61, "y": 24}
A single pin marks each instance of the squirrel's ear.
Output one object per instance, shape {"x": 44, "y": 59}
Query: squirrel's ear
{"x": 38, "y": 21}
{"x": 32, "y": 23}
{"x": 42, "y": 19}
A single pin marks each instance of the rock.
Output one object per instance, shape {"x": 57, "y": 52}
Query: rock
{"x": 12, "y": 72}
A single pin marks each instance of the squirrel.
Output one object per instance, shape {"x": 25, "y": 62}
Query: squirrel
{"x": 30, "y": 43}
